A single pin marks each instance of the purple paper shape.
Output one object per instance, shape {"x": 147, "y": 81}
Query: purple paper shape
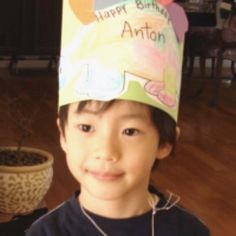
{"x": 179, "y": 20}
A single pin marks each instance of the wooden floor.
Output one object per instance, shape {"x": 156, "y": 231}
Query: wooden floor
{"x": 203, "y": 172}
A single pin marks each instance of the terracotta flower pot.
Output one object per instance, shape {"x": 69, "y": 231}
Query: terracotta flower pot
{"x": 22, "y": 188}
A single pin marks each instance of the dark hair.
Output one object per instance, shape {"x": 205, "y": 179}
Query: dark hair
{"x": 165, "y": 125}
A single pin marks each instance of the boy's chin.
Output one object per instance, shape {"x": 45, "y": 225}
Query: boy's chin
{"x": 105, "y": 193}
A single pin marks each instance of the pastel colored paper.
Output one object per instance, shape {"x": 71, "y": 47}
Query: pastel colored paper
{"x": 121, "y": 50}
{"x": 100, "y": 4}
{"x": 165, "y": 2}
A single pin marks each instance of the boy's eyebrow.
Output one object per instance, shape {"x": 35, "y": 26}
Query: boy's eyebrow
{"x": 139, "y": 116}
{"x": 78, "y": 111}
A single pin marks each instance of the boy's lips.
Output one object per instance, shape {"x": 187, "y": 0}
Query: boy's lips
{"x": 105, "y": 176}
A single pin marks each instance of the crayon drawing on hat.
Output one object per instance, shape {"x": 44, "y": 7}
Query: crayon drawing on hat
{"x": 128, "y": 50}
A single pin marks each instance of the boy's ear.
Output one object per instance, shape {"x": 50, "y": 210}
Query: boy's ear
{"x": 164, "y": 150}
{"x": 62, "y": 136}
{"x": 177, "y": 132}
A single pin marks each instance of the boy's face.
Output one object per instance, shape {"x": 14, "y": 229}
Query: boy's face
{"x": 111, "y": 153}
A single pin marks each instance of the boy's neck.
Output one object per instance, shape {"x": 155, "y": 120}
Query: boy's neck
{"x": 116, "y": 208}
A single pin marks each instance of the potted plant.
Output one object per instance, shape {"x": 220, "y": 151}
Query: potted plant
{"x": 25, "y": 172}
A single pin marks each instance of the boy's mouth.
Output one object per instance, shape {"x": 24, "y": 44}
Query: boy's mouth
{"x": 105, "y": 176}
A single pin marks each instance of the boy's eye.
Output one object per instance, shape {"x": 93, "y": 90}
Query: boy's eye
{"x": 130, "y": 132}
{"x": 85, "y": 128}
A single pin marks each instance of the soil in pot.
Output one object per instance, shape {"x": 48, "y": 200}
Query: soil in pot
{"x": 14, "y": 158}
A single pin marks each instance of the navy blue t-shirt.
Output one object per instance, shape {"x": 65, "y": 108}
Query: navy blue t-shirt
{"x": 68, "y": 220}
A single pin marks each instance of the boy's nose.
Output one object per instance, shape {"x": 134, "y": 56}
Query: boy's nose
{"x": 108, "y": 149}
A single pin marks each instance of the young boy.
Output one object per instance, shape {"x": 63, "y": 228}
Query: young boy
{"x": 118, "y": 98}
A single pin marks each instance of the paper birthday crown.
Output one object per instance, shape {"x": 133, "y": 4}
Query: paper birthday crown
{"x": 122, "y": 49}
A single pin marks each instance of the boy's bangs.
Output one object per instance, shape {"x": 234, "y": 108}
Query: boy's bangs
{"x": 97, "y": 106}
